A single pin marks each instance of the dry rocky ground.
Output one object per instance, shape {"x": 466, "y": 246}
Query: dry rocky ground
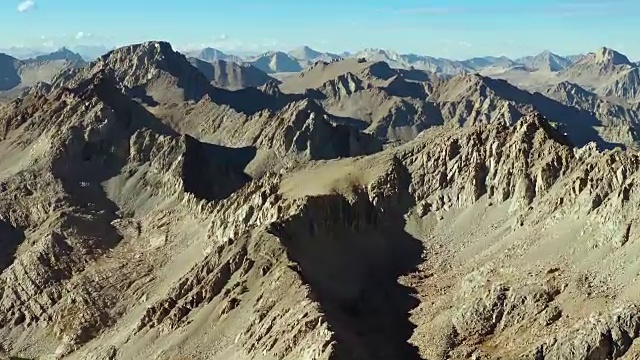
{"x": 145, "y": 214}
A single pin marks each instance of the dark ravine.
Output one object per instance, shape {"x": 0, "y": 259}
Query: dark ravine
{"x": 352, "y": 252}
{"x": 212, "y": 172}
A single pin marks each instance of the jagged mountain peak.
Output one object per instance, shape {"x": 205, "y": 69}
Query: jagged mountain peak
{"x": 546, "y": 61}
{"x": 306, "y": 104}
{"x": 210, "y": 54}
{"x": 304, "y": 53}
{"x": 599, "y": 70}
{"x": 567, "y": 85}
{"x": 274, "y": 62}
{"x": 547, "y": 54}
{"x": 61, "y": 54}
{"x": 380, "y": 70}
{"x": 230, "y": 75}
{"x": 141, "y": 57}
{"x": 607, "y": 56}
{"x": 568, "y": 91}
{"x": 271, "y": 88}
{"x": 152, "y": 71}
{"x": 150, "y": 49}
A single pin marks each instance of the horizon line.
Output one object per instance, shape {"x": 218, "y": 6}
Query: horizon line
{"x": 43, "y": 50}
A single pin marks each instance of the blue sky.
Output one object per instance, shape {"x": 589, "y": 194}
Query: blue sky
{"x": 454, "y": 28}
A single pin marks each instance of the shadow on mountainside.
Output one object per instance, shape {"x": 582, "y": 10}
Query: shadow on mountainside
{"x": 10, "y": 77}
{"x": 358, "y": 124}
{"x": 214, "y": 172}
{"x": 11, "y": 237}
{"x": 248, "y": 101}
{"x": 89, "y": 147}
{"x": 210, "y": 172}
{"x": 88, "y": 161}
{"x": 580, "y": 124}
{"x": 351, "y": 253}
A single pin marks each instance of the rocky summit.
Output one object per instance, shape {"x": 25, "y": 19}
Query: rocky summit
{"x": 154, "y": 206}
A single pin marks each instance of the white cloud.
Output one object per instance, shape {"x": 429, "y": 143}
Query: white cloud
{"x": 49, "y": 44}
{"x": 26, "y": 5}
{"x": 83, "y": 35}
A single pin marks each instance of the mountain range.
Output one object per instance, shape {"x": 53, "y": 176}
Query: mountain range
{"x": 305, "y": 57}
{"x": 303, "y": 205}
{"x": 16, "y": 75}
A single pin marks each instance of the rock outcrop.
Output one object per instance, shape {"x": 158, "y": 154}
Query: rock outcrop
{"x": 143, "y": 223}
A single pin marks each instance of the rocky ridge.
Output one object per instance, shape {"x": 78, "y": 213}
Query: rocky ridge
{"x": 185, "y": 228}
{"x": 231, "y": 76}
{"x": 17, "y": 75}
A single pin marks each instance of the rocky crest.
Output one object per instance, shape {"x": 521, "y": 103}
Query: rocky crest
{"x": 149, "y": 70}
{"x": 231, "y": 76}
{"x": 147, "y": 214}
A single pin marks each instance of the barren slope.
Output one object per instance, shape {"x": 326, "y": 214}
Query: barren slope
{"x": 146, "y": 214}
{"x": 16, "y": 75}
{"x": 231, "y": 76}
{"x": 390, "y": 103}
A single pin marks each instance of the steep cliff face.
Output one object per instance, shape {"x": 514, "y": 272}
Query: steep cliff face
{"x": 389, "y": 103}
{"x": 518, "y": 163}
{"x": 511, "y": 281}
{"x": 125, "y": 184}
{"x": 77, "y": 158}
{"x": 231, "y": 75}
{"x": 151, "y": 71}
{"x": 196, "y": 230}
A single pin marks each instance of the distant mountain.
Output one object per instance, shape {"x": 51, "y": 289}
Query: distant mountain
{"x": 407, "y": 61}
{"x": 602, "y": 62}
{"x": 87, "y": 52}
{"x": 624, "y": 86}
{"x": 545, "y": 61}
{"x": 607, "y": 57}
{"x": 305, "y": 53}
{"x": 9, "y": 72}
{"x": 479, "y": 63}
{"x": 210, "y": 54}
{"x": 275, "y": 62}
{"x": 62, "y": 54}
{"x": 397, "y": 104}
{"x": 152, "y": 71}
{"x": 21, "y": 53}
{"x": 575, "y": 58}
{"x": 371, "y": 95}
{"x": 232, "y": 76}
{"x": 606, "y": 72}
{"x": 16, "y": 75}
{"x": 572, "y": 94}
{"x": 157, "y": 75}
